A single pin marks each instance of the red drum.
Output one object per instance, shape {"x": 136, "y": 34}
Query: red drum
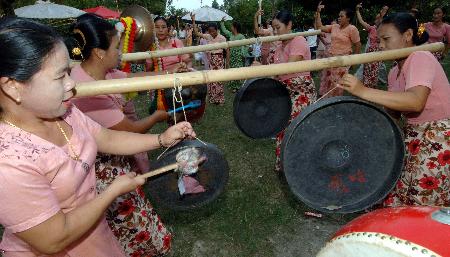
{"x": 395, "y": 232}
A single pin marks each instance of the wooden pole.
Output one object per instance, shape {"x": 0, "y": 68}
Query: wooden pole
{"x": 159, "y": 171}
{"x": 202, "y": 48}
{"x": 116, "y": 86}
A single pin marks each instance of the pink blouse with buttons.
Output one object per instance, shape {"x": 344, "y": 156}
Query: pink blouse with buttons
{"x": 39, "y": 179}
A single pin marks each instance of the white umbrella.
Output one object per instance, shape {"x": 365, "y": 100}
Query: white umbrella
{"x": 47, "y": 10}
{"x": 207, "y": 14}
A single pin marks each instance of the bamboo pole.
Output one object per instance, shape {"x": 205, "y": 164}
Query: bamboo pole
{"x": 201, "y": 48}
{"x": 159, "y": 171}
{"x": 116, "y": 86}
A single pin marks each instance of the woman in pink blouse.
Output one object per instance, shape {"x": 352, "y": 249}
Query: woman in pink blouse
{"x": 49, "y": 203}
{"x": 167, "y": 64}
{"x": 439, "y": 31}
{"x": 163, "y": 41}
{"x": 130, "y": 215}
{"x": 344, "y": 36}
{"x": 300, "y": 85}
{"x": 418, "y": 89}
{"x": 216, "y": 60}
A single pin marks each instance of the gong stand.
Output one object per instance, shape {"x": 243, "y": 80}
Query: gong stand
{"x": 117, "y": 86}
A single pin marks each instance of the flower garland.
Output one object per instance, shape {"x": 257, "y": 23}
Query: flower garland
{"x": 128, "y": 42}
{"x": 128, "y": 46}
{"x": 158, "y": 65}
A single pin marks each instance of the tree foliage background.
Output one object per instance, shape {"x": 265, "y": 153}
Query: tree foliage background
{"x": 244, "y": 10}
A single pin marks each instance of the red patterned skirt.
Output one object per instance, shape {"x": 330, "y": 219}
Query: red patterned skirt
{"x": 215, "y": 90}
{"x": 302, "y": 93}
{"x": 425, "y": 177}
{"x": 370, "y": 71}
{"x": 131, "y": 217}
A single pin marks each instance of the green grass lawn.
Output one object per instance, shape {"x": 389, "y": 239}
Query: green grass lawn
{"x": 256, "y": 215}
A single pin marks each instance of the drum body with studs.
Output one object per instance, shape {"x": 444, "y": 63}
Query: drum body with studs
{"x": 342, "y": 155}
{"x": 262, "y": 107}
{"x": 212, "y": 175}
{"x": 394, "y": 232}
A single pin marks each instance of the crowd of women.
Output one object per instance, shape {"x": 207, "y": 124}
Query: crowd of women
{"x": 68, "y": 166}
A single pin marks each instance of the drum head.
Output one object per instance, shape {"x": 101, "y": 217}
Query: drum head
{"x": 262, "y": 108}
{"x": 212, "y": 175}
{"x": 392, "y": 232}
{"x": 342, "y": 155}
{"x": 189, "y": 94}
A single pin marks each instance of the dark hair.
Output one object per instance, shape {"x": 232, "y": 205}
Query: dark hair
{"x": 404, "y": 21}
{"x": 444, "y": 11}
{"x": 91, "y": 31}
{"x": 26, "y": 45}
{"x": 213, "y": 25}
{"x": 237, "y": 26}
{"x": 160, "y": 18}
{"x": 349, "y": 13}
{"x": 285, "y": 17}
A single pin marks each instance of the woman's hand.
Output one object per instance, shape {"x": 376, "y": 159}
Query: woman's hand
{"x": 180, "y": 68}
{"x": 161, "y": 115}
{"x": 259, "y": 12}
{"x": 320, "y": 6}
{"x": 352, "y": 85}
{"x": 176, "y": 133}
{"x": 192, "y": 16}
{"x": 125, "y": 183}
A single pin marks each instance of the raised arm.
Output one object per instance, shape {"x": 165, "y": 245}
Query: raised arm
{"x": 360, "y": 19}
{"x": 318, "y": 22}
{"x": 196, "y": 32}
{"x": 256, "y": 28}
{"x": 382, "y": 13}
{"x": 224, "y": 29}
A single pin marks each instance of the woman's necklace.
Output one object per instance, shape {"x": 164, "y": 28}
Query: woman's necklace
{"x": 75, "y": 157}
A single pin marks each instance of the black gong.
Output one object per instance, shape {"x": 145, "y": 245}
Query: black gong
{"x": 342, "y": 155}
{"x": 262, "y": 108}
{"x": 212, "y": 175}
{"x": 189, "y": 94}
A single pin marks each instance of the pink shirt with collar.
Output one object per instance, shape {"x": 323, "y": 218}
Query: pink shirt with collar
{"x": 298, "y": 46}
{"x": 438, "y": 34}
{"x": 108, "y": 110}
{"x": 38, "y": 179}
{"x": 218, "y": 39}
{"x": 104, "y": 109}
{"x": 343, "y": 39}
{"x": 422, "y": 69}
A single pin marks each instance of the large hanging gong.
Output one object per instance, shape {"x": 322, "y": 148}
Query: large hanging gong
{"x": 212, "y": 175}
{"x": 262, "y": 107}
{"x": 342, "y": 155}
{"x": 144, "y": 26}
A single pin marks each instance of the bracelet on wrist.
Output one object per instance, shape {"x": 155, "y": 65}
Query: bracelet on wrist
{"x": 160, "y": 141}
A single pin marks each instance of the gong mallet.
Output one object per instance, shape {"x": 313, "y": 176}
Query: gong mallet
{"x": 188, "y": 161}
{"x": 117, "y": 86}
{"x": 161, "y": 170}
